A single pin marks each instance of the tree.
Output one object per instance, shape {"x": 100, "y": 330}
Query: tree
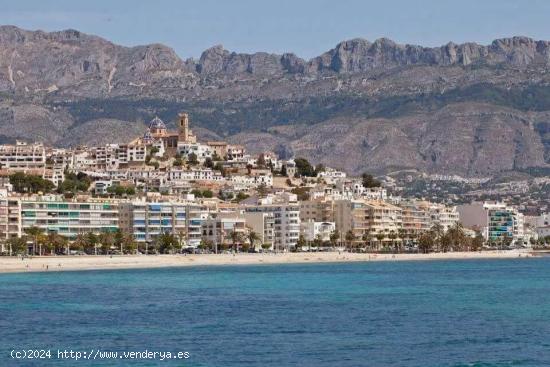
{"x": 57, "y": 242}
{"x": 192, "y": 159}
{"x": 300, "y": 243}
{"x": 241, "y": 196}
{"x": 129, "y": 245}
{"x": 506, "y": 240}
{"x": 380, "y": 237}
{"x": 402, "y": 234}
{"x": 205, "y": 245}
{"x": 36, "y": 235}
{"x": 318, "y": 169}
{"x": 261, "y": 161}
{"x": 23, "y": 183}
{"x": 208, "y": 163}
{"x": 17, "y": 245}
{"x": 283, "y": 170}
{"x": 235, "y": 239}
{"x": 304, "y": 168}
{"x": 367, "y": 238}
{"x": 166, "y": 243}
{"x": 426, "y": 242}
{"x": 445, "y": 242}
{"x": 369, "y": 181}
{"x": 253, "y": 237}
{"x": 318, "y": 242}
{"x": 262, "y": 190}
{"x": 91, "y": 242}
{"x": 457, "y": 238}
{"x": 334, "y": 238}
{"x": 350, "y": 237}
{"x": 393, "y": 236}
{"x": 74, "y": 183}
{"x": 107, "y": 241}
{"x": 437, "y": 231}
{"x": 302, "y": 193}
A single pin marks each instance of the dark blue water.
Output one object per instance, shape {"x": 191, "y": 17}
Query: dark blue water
{"x": 437, "y": 313}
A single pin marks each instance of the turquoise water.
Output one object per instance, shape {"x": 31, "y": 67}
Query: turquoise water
{"x": 438, "y": 313}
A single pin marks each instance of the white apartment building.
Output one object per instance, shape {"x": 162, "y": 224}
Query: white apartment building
{"x": 147, "y": 220}
{"x": 503, "y": 221}
{"x": 446, "y": 216}
{"x": 235, "y": 152}
{"x": 202, "y": 151}
{"x": 23, "y": 156}
{"x": 286, "y": 214}
{"x": 68, "y": 218}
{"x": 312, "y": 230}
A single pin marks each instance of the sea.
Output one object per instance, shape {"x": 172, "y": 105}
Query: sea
{"x": 407, "y": 313}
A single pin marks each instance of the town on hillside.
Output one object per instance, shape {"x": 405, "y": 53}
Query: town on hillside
{"x": 167, "y": 192}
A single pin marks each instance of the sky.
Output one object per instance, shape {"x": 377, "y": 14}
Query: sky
{"x": 306, "y": 28}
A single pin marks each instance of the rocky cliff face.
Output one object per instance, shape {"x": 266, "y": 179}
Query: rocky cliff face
{"x": 468, "y": 108}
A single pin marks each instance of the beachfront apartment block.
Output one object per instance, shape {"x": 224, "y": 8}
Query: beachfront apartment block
{"x": 503, "y": 222}
{"x": 373, "y": 217}
{"x": 219, "y": 228}
{"x": 263, "y": 224}
{"x": 147, "y": 220}
{"x": 286, "y": 215}
{"x": 318, "y": 210}
{"x": 68, "y": 218}
{"x": 445, "y": 216}
{"x": 416, "y": 216}
{"x": 10, "y": 217}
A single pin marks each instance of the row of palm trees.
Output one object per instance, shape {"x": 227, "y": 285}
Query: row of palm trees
{"x": 436, "y": 239}
{"x": 236, "y": 242}
{"x": 36, "y": 242}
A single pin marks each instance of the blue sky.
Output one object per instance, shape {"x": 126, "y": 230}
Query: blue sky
{"x": 306, "y": 28}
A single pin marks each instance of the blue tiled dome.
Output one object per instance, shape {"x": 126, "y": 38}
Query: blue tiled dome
{"x": 147, "y": 137}
{"x": 157, "y": 124}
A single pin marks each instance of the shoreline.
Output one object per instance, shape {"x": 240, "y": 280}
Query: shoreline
{"x": 104, "y": 262}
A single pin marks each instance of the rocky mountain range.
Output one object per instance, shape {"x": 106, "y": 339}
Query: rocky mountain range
{"x": 467, "y": 109}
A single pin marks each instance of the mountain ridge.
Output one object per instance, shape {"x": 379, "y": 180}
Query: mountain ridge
{"x": 52, "y": 83}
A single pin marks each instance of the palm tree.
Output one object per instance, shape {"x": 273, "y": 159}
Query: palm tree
{"x": 106, "y": 241}
{"x": 334, "y": 238}
{"x": 425, "y": 242}
{"x": 166, "y": 242}
{"x": 402, "y": 234}
{"x": 393, "y": 236}
{"x": 92, "y": 241}
{"x": 56, "y": 242}
{"x": 252, "y": 237}
{"x": 477, "y": 242}
{"x": 350, "y": 237}
{"x": 457, "y": 238}
{"x": 437, "y": 231}
{"x": 380, "y": 237}
{"x": 17, "y": 245}
{"x": 34, "y": 232}
{"x": 81, "y": 242}
{"x": 366, "y": 238}
{"x": 235, "y": 239}
{"x": 318, "y": 241}
{"x": 300, "y": 243}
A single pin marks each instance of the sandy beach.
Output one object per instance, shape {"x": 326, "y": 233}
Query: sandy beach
{"x": 64, "y": 263}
